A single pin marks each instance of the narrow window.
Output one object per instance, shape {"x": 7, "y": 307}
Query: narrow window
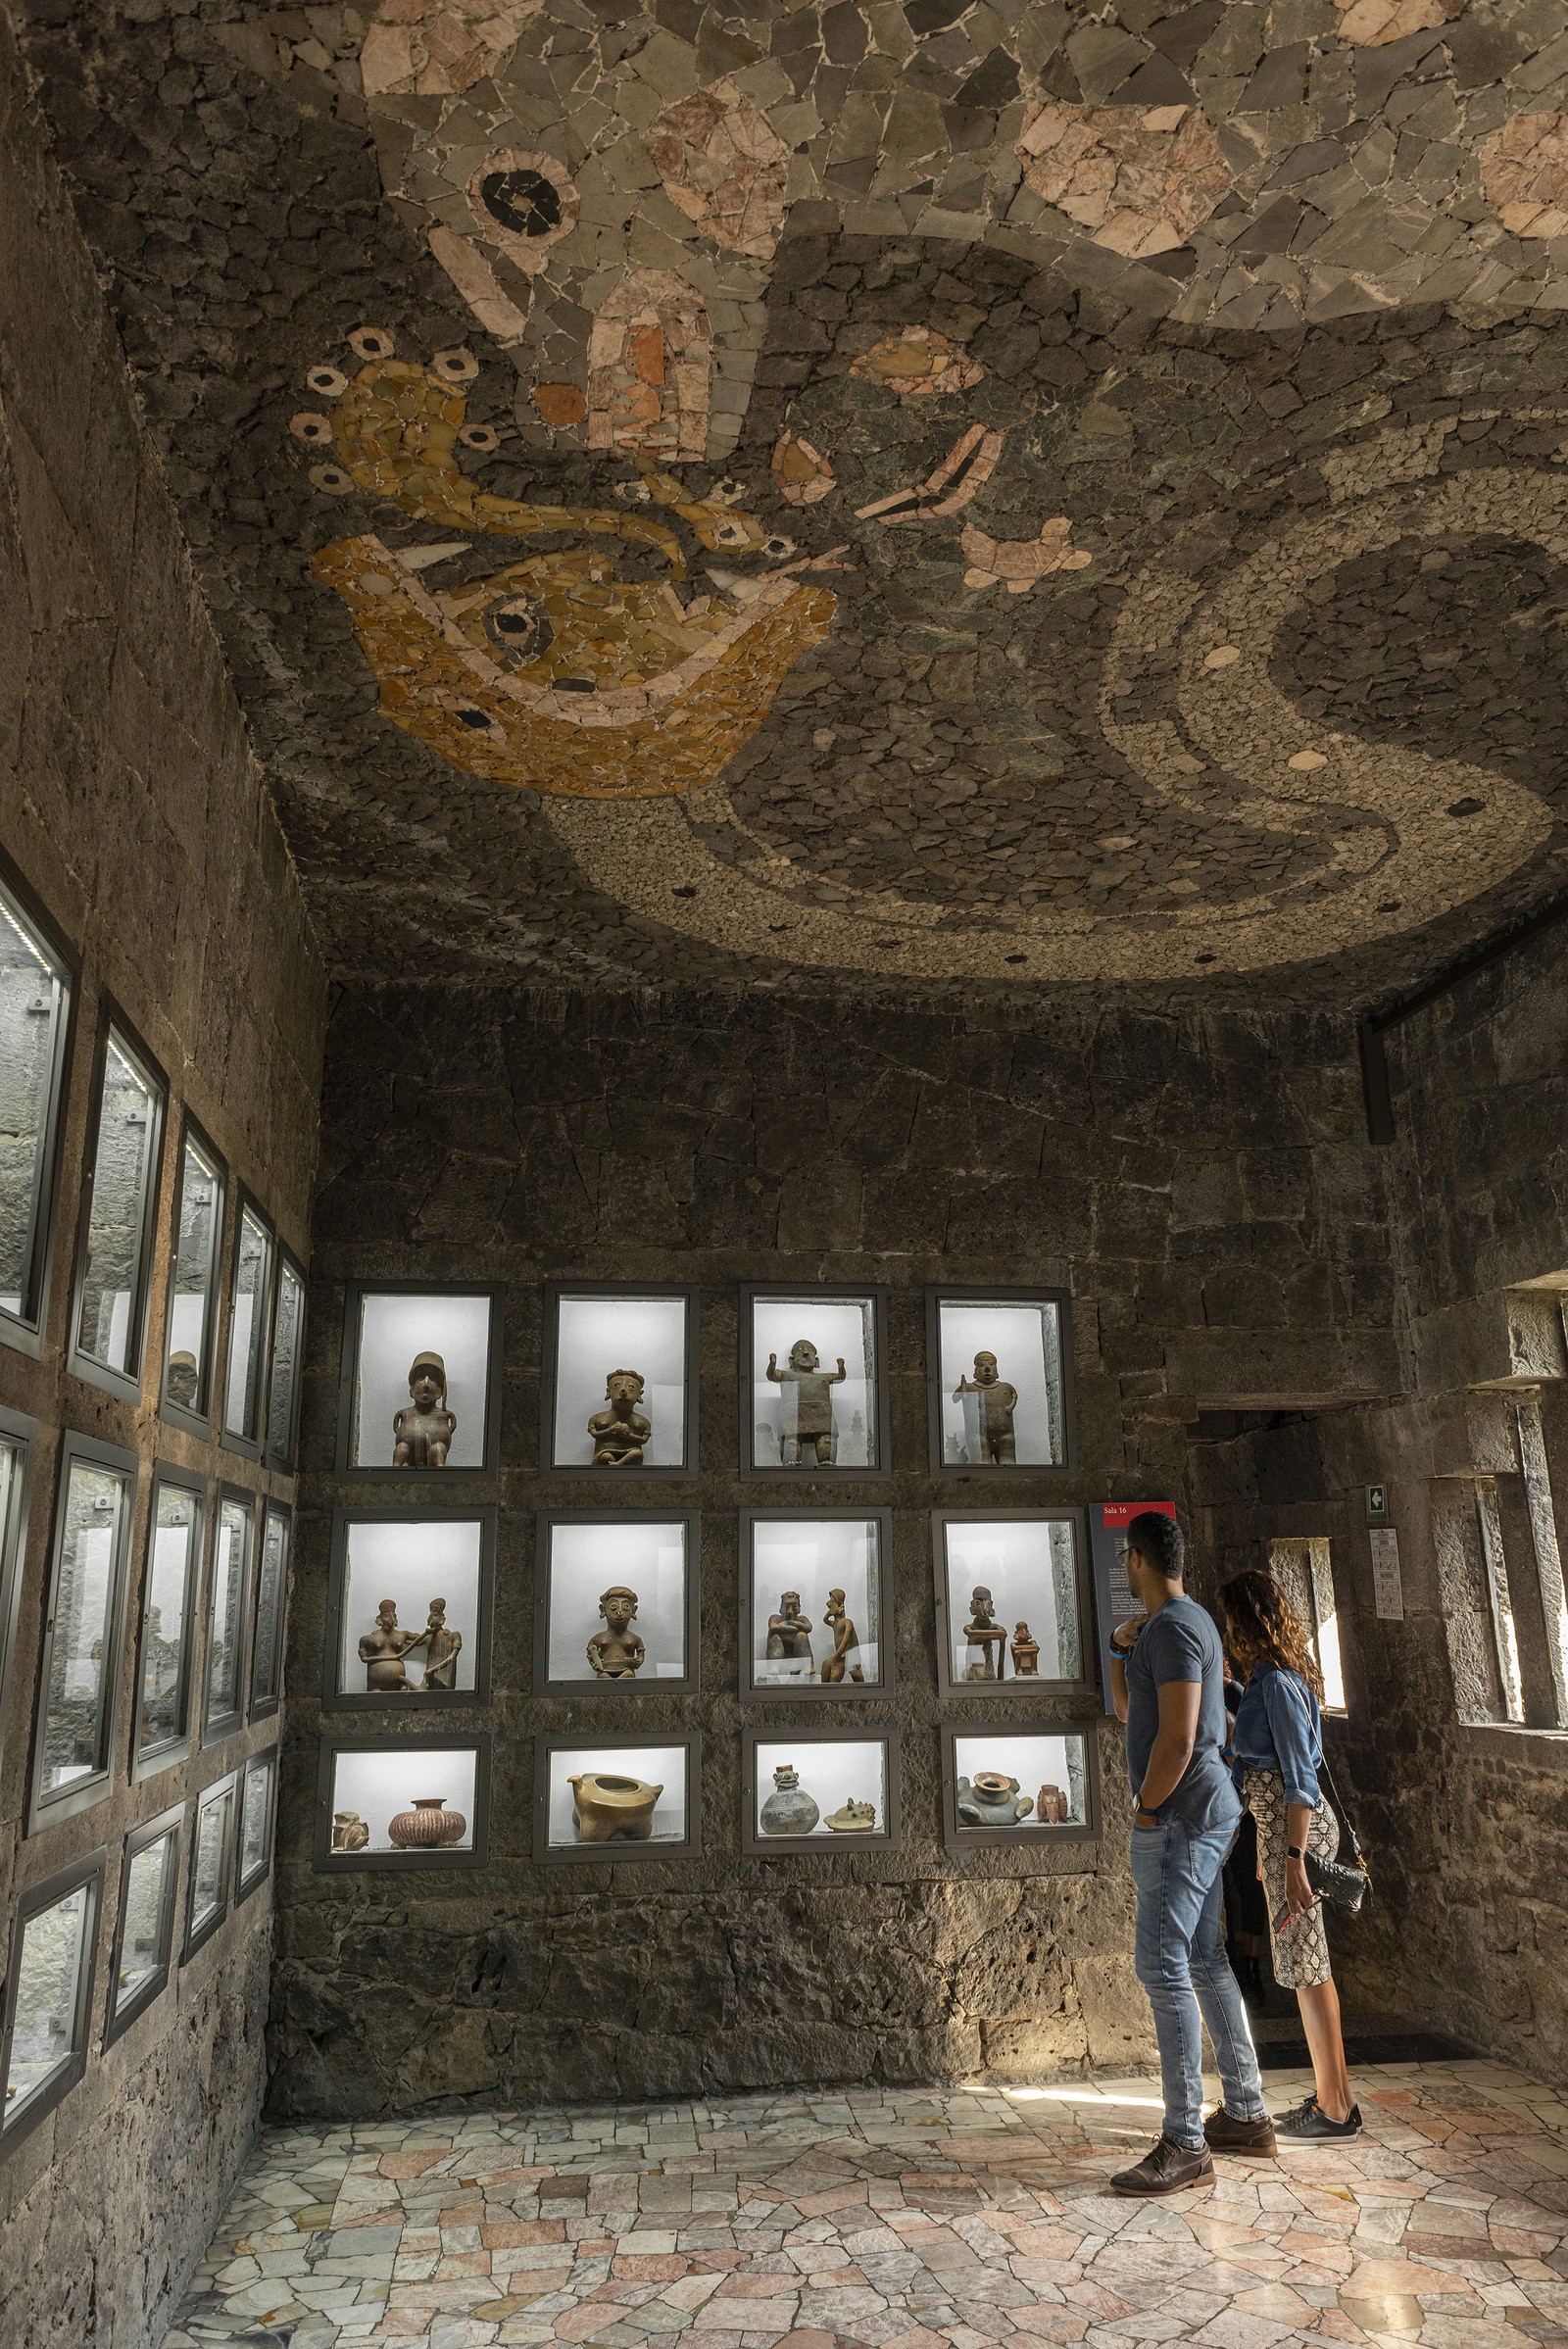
{"x": 247, "y": 1329}
{"x": 256, "y": 1822}
{"x": 110, "y": 1305}
{"x": 145, "y": 1932}
{"x": 193, "y": 1284}
{"x": 225, "y": 1617}
{"x": 1549, "y": 1558}
{"x": 174, "y": 1560}
{"x": 212, "y": 1857}
{"x": 83, "y": 1637}
{"x": 1505, "y": 1639}
{"x": 283, "y": 1396}
{"x": 50, "y": 1992}
{"x": 34, "y": 1003}
{"x": 1325, "y": 1610}
{"x": 271, "y": 1586}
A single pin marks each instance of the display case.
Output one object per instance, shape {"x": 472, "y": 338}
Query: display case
{"x": 814, "y": 1400}
{"x": 48, "y": 2000}
{"x": 35, "y": 1004}
{"x": 288, "y": 1350}
{"x": 612, "y": 1799}
{"x": 19, "y": 1436}
{"x": 1001, "y": 1785}
{"x": 406, "y": 1802}
{"x": 619, "y": 1389}
{"x": 228, "y": 1607}
{"x": 1012, "y": 1604}
{"x": 171, "y": 1585}
{"x": 617, "y": 1609}
{"x": 83, "y": 1629}
{"x": 815, "y": 1605}
{"x": 272, "y": 1603}
{"x": 420, "y": 1380}
{"x": 258, "y": 1806}
{"x": 144, "y": 1927}
{"x": 212, "y": 1861}
{"x": 250, "y": 1302}
{"x": 409, "y": 1610}
{"x": 999, "y": 1369}
{"x": 190, "y": 1334}
{"x": 819, "y": 1789}
{"x": 120, "y": 1206}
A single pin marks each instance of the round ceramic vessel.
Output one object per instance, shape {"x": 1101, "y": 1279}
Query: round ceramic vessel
{"x": 789, "y": 1810}
{"x": 429, "y": 1826}
{"x": 992, "y": 1800}
{"x": 610, "y": 1805}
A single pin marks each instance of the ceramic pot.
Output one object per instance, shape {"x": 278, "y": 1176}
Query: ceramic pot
{"x": 852, "y": 1818}
{"x": 349, "y": 1831}
{"x": 789, "y": 1810}
{"x": 1051, "y": 1806}
{"x": 429, "y": 1826}
{"x": 992, "y": 1800}
{"x": 608, "y": 1805}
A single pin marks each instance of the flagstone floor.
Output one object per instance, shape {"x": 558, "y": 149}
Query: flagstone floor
{"x": 902, "y": 2221}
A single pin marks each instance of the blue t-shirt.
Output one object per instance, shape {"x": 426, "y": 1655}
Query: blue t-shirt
{"x": 1180, "y": 1644}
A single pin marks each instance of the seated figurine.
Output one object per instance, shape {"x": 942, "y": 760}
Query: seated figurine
{"x": 621, "y": 1433}
{"x": 812, "y": 1437}
{"x": 617, "y": 1653}
{"x": 1026, "y": 1654}
{"x": 788, "y": 1635}
{"x": 422, "y": 1431}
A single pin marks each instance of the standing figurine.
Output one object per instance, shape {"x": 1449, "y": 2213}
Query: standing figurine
{"x": 788, "y": 1635}
{"x": 1026, "y": 1654}
{"x": 986, "y": 1638}
{"x": 442, "y": 1648}
{"x": 996, "y": 1404}
{"x": 621, "y": 1433}
{"x": 382, "y": 1651}
{"x": 845, "y": 1641}
{"x": 617, "y": 1653}
{"x": 813, "y": 1404}
{"x": 422, "y": 1431}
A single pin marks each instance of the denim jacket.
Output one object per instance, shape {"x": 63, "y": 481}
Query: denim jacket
{"x": 1279, "y": 1727}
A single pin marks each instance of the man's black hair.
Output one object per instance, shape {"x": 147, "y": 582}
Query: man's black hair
{"x": 1158, "y": 1542}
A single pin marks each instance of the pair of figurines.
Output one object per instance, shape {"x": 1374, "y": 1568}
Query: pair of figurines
{"x": 384, "y": 1651}
{"x": 986, "y": 1640}
{"x": 789, "y": 1640}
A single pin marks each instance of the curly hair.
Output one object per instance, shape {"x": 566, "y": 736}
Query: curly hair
{"x": 1261, "y": 1627}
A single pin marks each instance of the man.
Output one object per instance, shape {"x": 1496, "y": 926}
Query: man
{"x": 1167, "y": 1684}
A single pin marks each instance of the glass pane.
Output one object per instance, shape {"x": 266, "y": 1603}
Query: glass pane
{"x": 253, "y": 1821}
{"x": 143, "y": 1938}
{"x": 32, "y": 1020}
{"x": 285, "y": 1363}
{"x": 43, "y": 2038}
{"x": 1012, "y": 1600}
{"x": 269, "y": 1608}
{"x": 814, "y": 1383}
{"x": 247, "y": 1329}
{"x": 171, "y": 1561}
{"x": 1027, "y": 1783}
{"x": 201, "y": 1216}
{"x": 124, "y": 1168}
{"x": 816, "y": 1601}
{"x": 833, "y": 1790}
{"x": 1003, "y": 1400}
{"x": 209, "y": 1867}
{"x": 80, "y": 1665}
{"x": 231, "y": 1561}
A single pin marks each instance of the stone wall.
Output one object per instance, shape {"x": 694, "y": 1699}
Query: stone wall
{"x": 132, "y": 808}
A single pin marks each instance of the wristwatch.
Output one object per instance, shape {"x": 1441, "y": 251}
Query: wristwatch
{"x": 1295, "y": 1851}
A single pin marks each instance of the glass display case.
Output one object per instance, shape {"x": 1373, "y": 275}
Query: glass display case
{"x": 36, "y": 993}
{"x": 618, "y": 1391}
{"x": 420, "y": 1377}
{"x": 1003, "y": 1785}
{"x": 169, "y": 1586}
{"x": 998, "y": 1367}
{"x": 48, "y": 2007}
{"x": 144, "y": 1928}
{"x": 819, "y": 1789}
{"x": 212, "y": 1861}
{"x": 249, "y": 1308}
{"x": 288, "y": 1347}
{"x": 1012, "y": 1612}
{"x": 227, "y": 1599}
{"x": 812, "y": 1398}
{"x": 271, "y": 1601}
{"x": 120, "y": 1204}
{"x": 258, "y": 1804}
{"x": 192, "y": 1334}
{"x": 82, "y": 1647}
{"x": 403, "y": 1803}
{"x": 616, "y": 1607}
{"x": 618, "y": 1798}
{"x": 18, "y": 1438}
{"x": 409, "y": 1610}
{"x": 814, "y": 1620}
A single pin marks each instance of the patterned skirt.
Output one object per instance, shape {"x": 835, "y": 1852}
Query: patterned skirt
{"x": 1299, "y": 1946}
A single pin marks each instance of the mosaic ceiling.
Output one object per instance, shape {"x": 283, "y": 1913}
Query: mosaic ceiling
{"x": 980, "y": 493}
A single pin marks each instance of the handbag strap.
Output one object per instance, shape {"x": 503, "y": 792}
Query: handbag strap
{"x": 1346, "y": 1825}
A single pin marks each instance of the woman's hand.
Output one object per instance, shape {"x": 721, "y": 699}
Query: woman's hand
{"x": 1298, "y": 1893}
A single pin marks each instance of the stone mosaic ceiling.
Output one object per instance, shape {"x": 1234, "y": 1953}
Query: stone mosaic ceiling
{"x": 960, "y": 493}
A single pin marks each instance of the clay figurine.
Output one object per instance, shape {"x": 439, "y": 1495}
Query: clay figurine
{"x": 349, "y": 1831}
{"x": 1051, "y": 1805}
{"x": 789, "y": 1637}
{"x": 422, "y": 1431}
{"x": 986, "y": 1639}
{"x": 812, "y": 1435}
{"x": 997, "y": 1404}
{"x": 845, "y": 1644}
{"x": 429, "y": 1826}
{"x": 852, "y": 1818}
{"x": 382, "y": 1651}
{"x": 609, "y": 1806}
{"x": 992, "y": 1800}
{"x": 789, "y": 1810}
{"x": 1026, "y": 1654}
{"x": 617, "y": 1653}
{"x": 442, "y": 1648}
{"x": 621, "y": 1433}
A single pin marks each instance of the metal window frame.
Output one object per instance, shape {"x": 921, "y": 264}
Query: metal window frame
{"x": 197, "y": 1935}
{"x": 88, "y": 1870}
{"x": 336, "y": 1698}
{"x": 22, "y": 1434}
{"x": 267, "y": 1760}
{"x": 118, "y": 2019}
{"x": 83, "y": 1793}
{"x": 114, "y": 1028}
{"x": 235, "y": 1439}
{"x": 192, "y": 1133}
{"x": 212, "y": 1730}
{"x": 959, "y": 1839}
{"x": 262, "y": 1708}
{"x": 617, "y": 1692}
{"x": 149, "y": 1761}
{"x": 555, "y": 1293}
{"x": 285, "y": 1455}
{"x": 617, "y": 1854}
{"x": 888, "y": 1837}
{"x": 25, "y": 1331}
{"x": 814, "y": 1292}
{"x": 327, "y": 1861}
{"x": 813, "y": 1691}
{"x": 999, "y": 1294}
{"x": 1012, "y": 1691}
{"x": 380, "y": 1472}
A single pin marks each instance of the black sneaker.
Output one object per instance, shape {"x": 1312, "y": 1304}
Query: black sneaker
{"x": 1308, "y": 2120}
{"x": 1165, "y": 2169}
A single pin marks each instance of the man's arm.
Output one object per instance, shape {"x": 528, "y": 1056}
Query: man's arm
{"x": 1172, "y": 1749}
{"x": 1119, "y": 1681}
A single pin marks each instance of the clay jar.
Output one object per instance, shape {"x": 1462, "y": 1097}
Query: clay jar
{"x": 429, "y": 1826}
{"x": 992, "y": 1800}
{"x": 789, "y": 1810}
{"x": 609, "y": 1806}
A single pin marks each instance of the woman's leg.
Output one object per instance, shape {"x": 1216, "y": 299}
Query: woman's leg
{"x": 1320, "y": 2019}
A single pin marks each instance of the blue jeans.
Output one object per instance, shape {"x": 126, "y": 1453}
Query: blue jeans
{"x": 1180, "y": 1959}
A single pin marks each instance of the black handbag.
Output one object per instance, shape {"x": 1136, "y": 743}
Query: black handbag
{"x": 1348, "y": 1886}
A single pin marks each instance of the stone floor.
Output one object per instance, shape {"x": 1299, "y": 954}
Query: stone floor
{"x": 902, "y": 2221}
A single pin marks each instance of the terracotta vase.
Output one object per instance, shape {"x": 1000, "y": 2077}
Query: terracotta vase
{"x": 992, "y": 1800}
{"x": 429, "y": 1826}
{"x": 1051, "y": 1806}
{"x": 610, "y": 1806}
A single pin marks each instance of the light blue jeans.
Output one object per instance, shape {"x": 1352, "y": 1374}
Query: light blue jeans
{"x": 1180, "y": 1958}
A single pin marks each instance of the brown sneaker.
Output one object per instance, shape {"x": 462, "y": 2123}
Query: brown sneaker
{"x": 1224, "y": 2133}
{"x": 1165, "y": 2171}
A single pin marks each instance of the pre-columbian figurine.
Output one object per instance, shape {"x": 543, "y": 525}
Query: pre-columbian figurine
{"x": 986, "y": 1638}
{"x": 621, "y": 1433}
{"x": 383, "y": 1649}
{"x": 442, "y": 1648}
{"x": 1026, "y": 1654}
{"x": 812, "y": 1435}
{"x": 998, "y": 1401}
{"x": 788, "y": 1635}
{"x": 422, "y": 1431}
{"x": 845, "y": 1643}
{"x": 617, "y": 1653}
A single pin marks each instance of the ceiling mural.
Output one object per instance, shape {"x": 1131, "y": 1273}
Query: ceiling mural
{"x": 929, "y": 492}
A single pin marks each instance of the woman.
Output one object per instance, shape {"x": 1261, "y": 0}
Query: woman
{"x": 1276, "y": 1754}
